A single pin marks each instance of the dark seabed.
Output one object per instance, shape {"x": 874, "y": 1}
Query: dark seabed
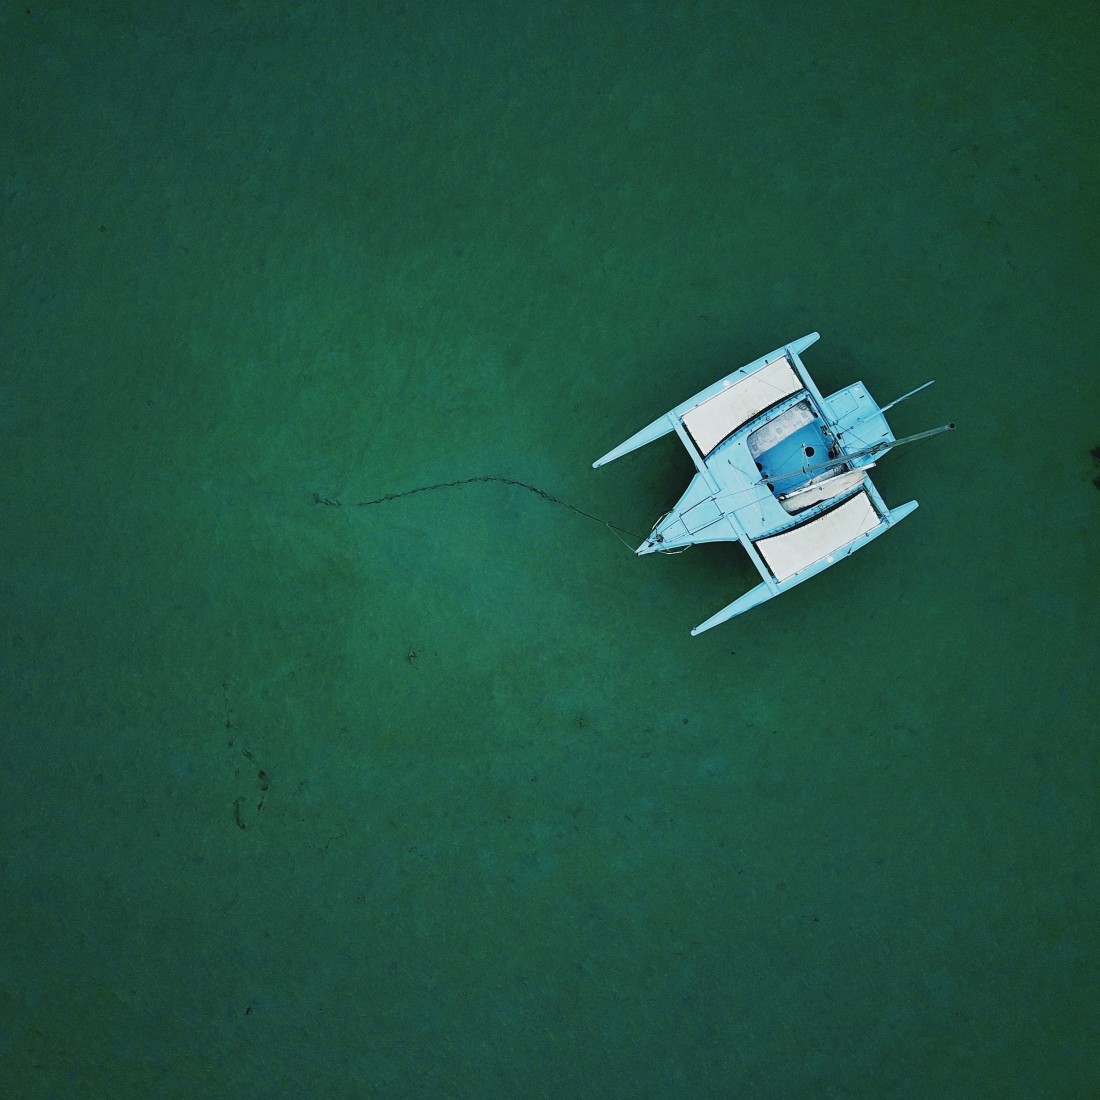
{"x": 438, "y": 797}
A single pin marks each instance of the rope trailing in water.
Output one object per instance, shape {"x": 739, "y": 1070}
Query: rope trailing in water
{"x": 318, "y": 499}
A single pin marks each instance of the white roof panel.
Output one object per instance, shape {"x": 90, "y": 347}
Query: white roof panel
{"x": 719, "y": 416}
{"x": 790, "y": 551}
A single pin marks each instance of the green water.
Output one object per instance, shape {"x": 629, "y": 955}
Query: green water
{"x": 439, "y": 798}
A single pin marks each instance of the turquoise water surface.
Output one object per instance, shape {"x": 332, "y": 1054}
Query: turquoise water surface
{"x": 438, "y": 797}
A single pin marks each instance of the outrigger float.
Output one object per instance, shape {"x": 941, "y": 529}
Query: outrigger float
{"x": 780, "y": 469}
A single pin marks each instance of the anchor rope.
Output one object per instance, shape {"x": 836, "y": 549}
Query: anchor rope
{"x": 549, "y": 497}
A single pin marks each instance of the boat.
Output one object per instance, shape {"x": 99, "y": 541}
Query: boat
{"x": 780, "y": 469}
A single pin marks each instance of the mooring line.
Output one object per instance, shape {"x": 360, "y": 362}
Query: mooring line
{"x": 318, "y": 499}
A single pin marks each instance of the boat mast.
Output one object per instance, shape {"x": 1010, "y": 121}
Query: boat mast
{"x": 875, "y": 449}
{"x": 899, "y": 400}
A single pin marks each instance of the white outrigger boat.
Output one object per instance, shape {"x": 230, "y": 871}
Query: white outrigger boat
{"x": 780, "y": 469}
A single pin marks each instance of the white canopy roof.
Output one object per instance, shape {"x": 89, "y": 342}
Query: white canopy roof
{"x": 714, "y": 419}
{"x": 788, "y": 552}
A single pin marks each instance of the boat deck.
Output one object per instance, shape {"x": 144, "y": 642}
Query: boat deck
{"x": 785, "y": 446}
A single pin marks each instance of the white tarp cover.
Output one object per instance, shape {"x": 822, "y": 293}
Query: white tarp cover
{"x": 790, "y": 551}
{"x": 712, "y": 420}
